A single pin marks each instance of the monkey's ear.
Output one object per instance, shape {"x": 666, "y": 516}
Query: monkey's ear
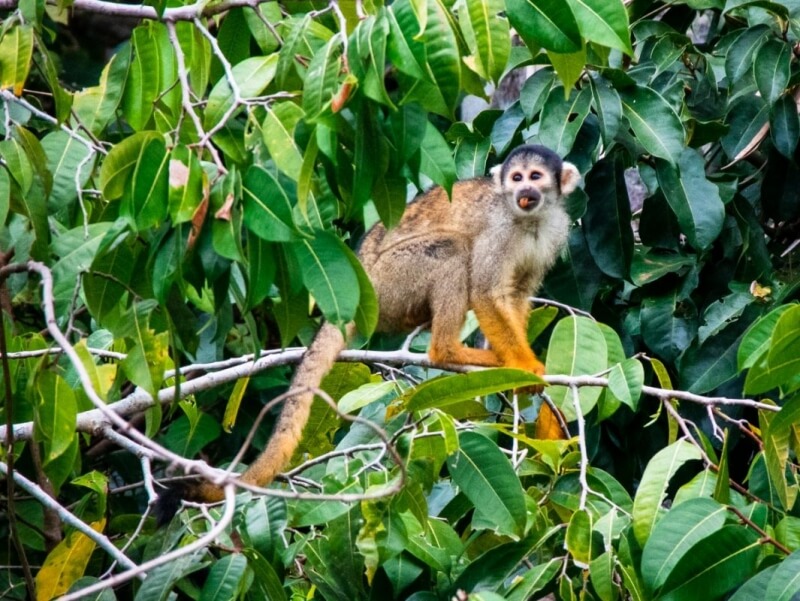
{"x": 570, "y": 178}
{"x": 495, "y": 173}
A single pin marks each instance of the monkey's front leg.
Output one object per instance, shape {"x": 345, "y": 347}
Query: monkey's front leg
{"x": 505, "y": 324}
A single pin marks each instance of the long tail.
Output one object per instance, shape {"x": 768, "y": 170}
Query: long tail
{"x": 317, "y": 361}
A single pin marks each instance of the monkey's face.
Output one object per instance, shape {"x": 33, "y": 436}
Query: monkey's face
{"x": 533, "y": 177}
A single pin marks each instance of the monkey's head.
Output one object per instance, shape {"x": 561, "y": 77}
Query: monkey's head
{"x": 533, "y": 176}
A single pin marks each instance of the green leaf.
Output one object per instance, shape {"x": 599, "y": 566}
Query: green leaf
{"x": 783, "y": 359}
{"x": 784, "y": 125}
{"x": 785, "y": 582}
{"x": 146, "y": 203}
{"x": 722, "y": 312}
{"x": 56, "y": 414}
{"x": 653, "y": 486}
{"x": 488, "y": 38}
{"x": 442, "y": 53}
{"x": 604, "y": 22}
{"x": 251, "y": 77}
{"x": 71, "y": 164}
{"x": 608, "y": 107}
{"x": 277, "y": 131}
{"x": 705, "y": 366}
{"x": 95, "y": 107}
{"x": 484, "y": 474}
{"x": 625, "y": 381}
{"x": 755, "y": 589}
{"x": 771, "y": 68}
{"x": 436, "y": 158}
{"x": 152, "y": 75}
{"x": 76, "y": 251}
{"x": 447, "y": 390}
{"x": 607, "y": 221}
{"x": 265, "y": 576}
{"x": 758, "y": 337}
{"x": 656, "y": 125}
{"x": 578, "y": 539}
{"x": 147, "y": 357}
{"x": 367, "y": 313}
{"x": 187, "y": 182}
{"x": 577, "y": 348}
{"x": 121, "y": 160}
{"x": 267, "y": 209}
{"x": 5, "y": 194}
{"x": 674, "y": 537}
{"x": 715, "y": 565}
{"x": 778, "y": 437}
{"x": 471, "y": 158}
{"x": 322, "y": 78}
{"x": 16, "y": 52}
{"x": 549, "y": 24}
{"x": 561, "y": 121}
{"x": 224, "y": 578}
{"x": 329, "y": 276}
{"x": 648, "y": 265}
{"x": 533, "y": 581}
{"x": 666, "y": 327}
{"x": 740, "y": 56}
{"x": 159, "y": 582}
{"x": 601, "y": 572}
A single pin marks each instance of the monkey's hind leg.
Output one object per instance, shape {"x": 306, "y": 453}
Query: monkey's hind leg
{"x": 505, "y": 326}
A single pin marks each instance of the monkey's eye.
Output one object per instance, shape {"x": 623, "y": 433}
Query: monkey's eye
{"x": 536, "y": 175}
{"x": 517, "y": 177}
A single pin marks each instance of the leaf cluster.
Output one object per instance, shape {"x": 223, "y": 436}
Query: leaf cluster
{"x": 202, "y": 198}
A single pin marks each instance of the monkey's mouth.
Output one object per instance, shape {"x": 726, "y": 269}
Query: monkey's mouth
{"x": 527, "y": 201}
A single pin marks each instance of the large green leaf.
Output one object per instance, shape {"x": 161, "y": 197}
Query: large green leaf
{"x": 758, "y": 337}
{"x": 447, "y": 390}
{"x": 251, "y": 76}
{"x": 224, "y": 577}
{"x": 277, "y": 131}
{"x": 120, "y": 161}
{"x": 488, "y": 37}
{"x": 781, "y": 363}
{"x": 784, "y": 125}
{"x": 561, "y": 121}
{"x": 604, "y": 22}
{"x": 715, "y": 565}
{"x": 694, "y": 200}
{"x": 607, "y": 221}
{"x": 436, "y": 158}
{"x": 577, "y": 348}
{"x": 647, "y": 508}
{"x": 56, "y": 413}
{"x": 485, "y": 476}
{"x": 668, "y": 326}
{"x": 328, "y": 274}
{"x": 16, "y": 51}
{"x": 785, "y": 582}
{"x": 771, "y": 68}
{"x": 267, "y": 209}
{"x": 322, "y": 78}
{"x": 146, "y": 201}
{"x": 672, "y": 538}
{"x": 655, "y": 123}
{"x": 548, "y": 24}
{"x": 71, "y": 163}
{"x": 94, "y": 107}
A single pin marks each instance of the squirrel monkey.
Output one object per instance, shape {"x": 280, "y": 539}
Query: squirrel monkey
{"x": 487, "y": 249}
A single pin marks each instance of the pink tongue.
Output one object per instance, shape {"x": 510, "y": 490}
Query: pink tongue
{"x": 523, "y": 202}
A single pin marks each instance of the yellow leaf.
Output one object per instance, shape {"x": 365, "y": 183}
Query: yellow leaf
{"x": 65, "y": 563}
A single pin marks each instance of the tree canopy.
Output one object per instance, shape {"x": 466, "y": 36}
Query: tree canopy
{"x": 182, "y": 187}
